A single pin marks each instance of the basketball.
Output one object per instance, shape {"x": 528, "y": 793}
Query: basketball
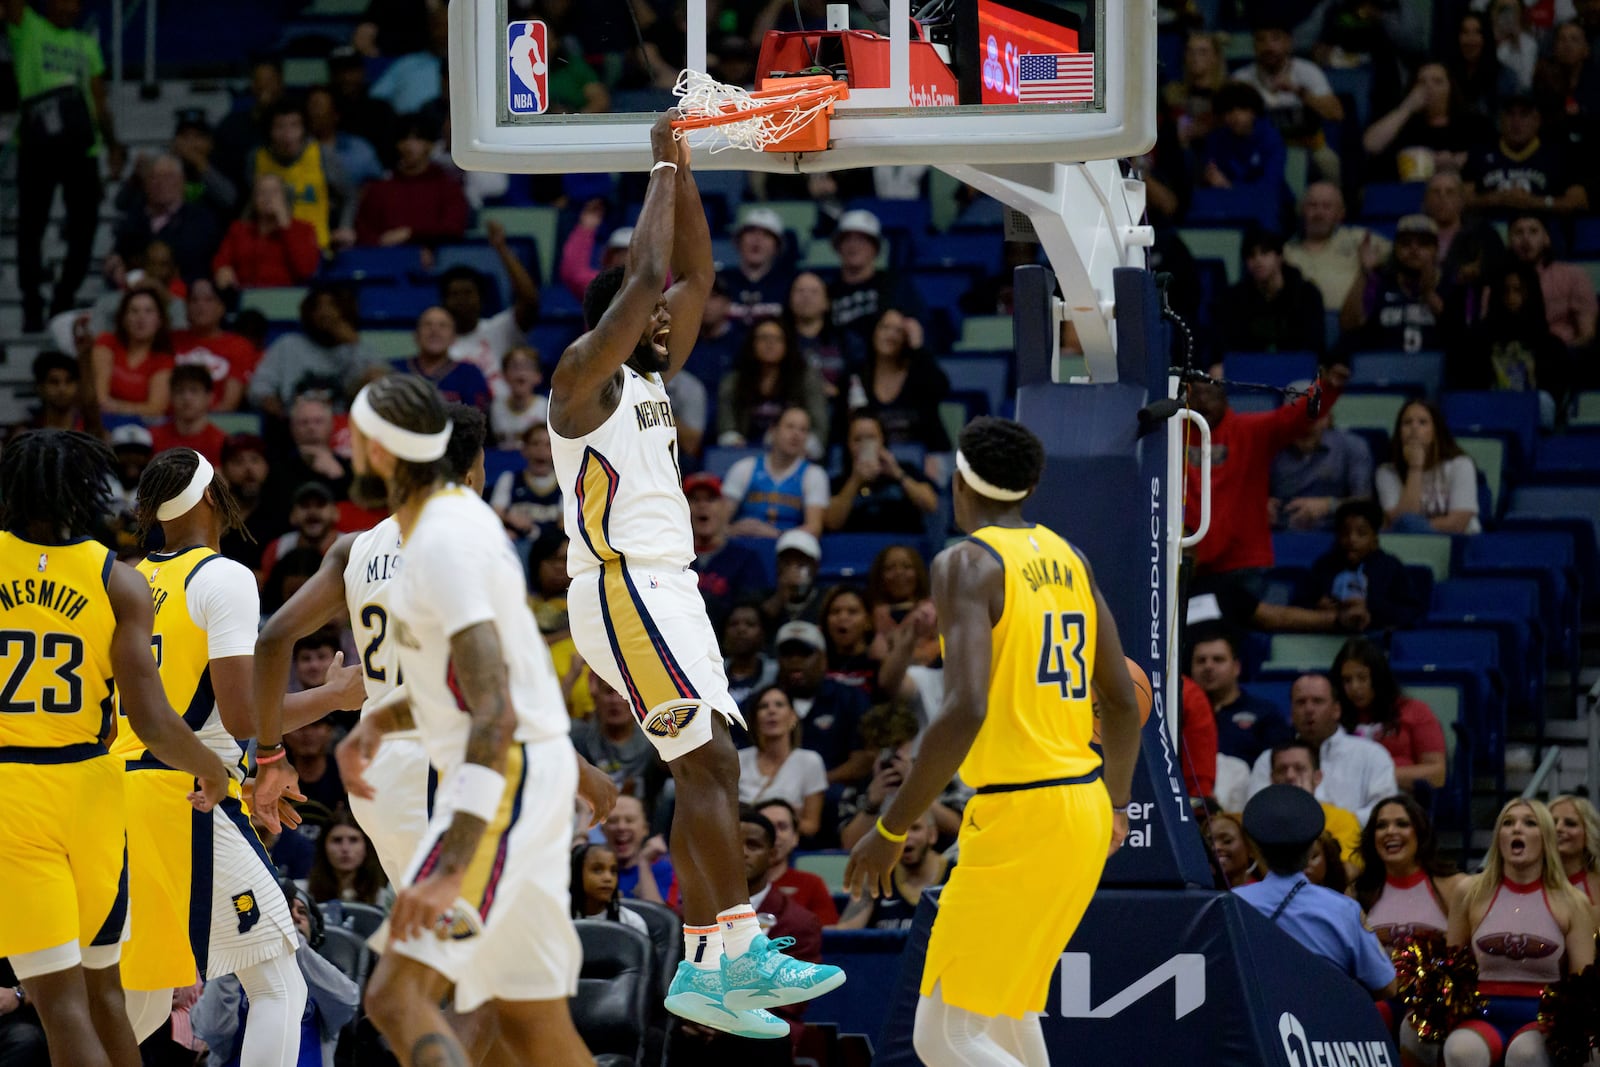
{"x": 1141, "y": 691}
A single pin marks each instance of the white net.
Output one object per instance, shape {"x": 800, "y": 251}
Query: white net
{"x": 702, "y": 96}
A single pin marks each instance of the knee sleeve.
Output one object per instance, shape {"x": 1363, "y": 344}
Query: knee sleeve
{"x": 1464, "y": 1048}
{"x": 947, "y": 1036}
{"x": 147, "y": 1010}
{"x": 277, "y": 992}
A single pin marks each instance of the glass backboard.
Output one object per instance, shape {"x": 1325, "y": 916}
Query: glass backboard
{"x": 557, "y": 85}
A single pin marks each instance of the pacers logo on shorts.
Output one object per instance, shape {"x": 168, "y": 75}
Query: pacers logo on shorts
{"x": 666, "y": 722}
{"x": 244, "y": 905}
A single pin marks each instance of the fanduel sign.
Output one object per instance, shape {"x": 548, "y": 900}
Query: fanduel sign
{"x": 1186, "y": 971}
{"x": 1300, "y": 1051}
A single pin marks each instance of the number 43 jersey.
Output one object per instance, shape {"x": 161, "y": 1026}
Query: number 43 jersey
{"x": 621, "y": 486}
{"x": 369, "y": 575}
{"x": 1040, "y": 719}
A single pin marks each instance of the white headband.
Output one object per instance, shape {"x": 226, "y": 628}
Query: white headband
{"x": 402, "y": 443}
{"x": 181, "y": 504}
{"x": 986, "y": 488}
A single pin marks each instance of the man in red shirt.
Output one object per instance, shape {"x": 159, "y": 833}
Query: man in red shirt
{"x": 1243, "y": 446}
{"x": 420, "y": 203}
{"x": 806, "y": 889}
{"x": 190, "y": 425}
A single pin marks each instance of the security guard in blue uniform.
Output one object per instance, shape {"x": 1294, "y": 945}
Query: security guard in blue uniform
{"x": 1285, "y": 821}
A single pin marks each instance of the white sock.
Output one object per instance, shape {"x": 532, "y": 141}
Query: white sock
{"x": 948, "y": 1036}
{"x": 702, "y": 947}
{"x": 739, "y": 928}
{"x": 277, "y": 992}
{"x": 147, "y": 1010}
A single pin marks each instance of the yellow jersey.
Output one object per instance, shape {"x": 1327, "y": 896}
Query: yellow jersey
{"x": 182, "y": 648}
{"x": 306, "y": 183}
{"x": 1040, "y": 719}
{"x": 56, "y": 626}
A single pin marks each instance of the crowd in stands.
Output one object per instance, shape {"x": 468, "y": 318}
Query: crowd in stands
{"x": 1329, "y": 194}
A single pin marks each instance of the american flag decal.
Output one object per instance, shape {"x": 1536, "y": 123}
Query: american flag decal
{"x": 1057, "y": 78}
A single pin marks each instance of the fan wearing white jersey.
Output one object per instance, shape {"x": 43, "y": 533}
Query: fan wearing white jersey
{"x": 355, "y": 578}
{"x": 635, "y": 608}
{"x": 483, "y": 906}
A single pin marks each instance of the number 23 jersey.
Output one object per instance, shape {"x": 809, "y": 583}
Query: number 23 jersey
{"x": 621, "y": 486}
{"x": 1040, "y": 719}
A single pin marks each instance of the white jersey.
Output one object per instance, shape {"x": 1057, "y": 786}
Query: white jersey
{"x": 621, "y": 487}
{"x": 368, "y": 575}
{"x": 460, "y": 571}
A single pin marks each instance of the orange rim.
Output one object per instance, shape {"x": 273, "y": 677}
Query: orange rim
{"x": 827, "y": 90}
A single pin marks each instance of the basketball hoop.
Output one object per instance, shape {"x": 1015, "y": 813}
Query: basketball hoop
{"x": 784, "y": 115}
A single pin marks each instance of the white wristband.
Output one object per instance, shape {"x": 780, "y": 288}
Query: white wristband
{"x": 475, "y": 790}
{"x": 663, "y": 163}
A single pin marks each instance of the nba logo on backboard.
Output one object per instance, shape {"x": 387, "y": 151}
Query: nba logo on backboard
{"x": 527, "y": 68}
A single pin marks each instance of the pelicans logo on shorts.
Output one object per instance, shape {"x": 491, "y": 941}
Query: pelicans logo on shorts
{"x": 244, "y": 905}
{"x": 666, "y": 722}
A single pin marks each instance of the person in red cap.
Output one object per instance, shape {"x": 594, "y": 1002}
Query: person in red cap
{"x": 726, "y": 570}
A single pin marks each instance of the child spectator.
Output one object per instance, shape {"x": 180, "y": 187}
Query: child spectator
{"x": 1273, "y": 308}
{"x": 1244, "y": 149}
{"x": 1429, "y": 484}
{"x": 228, "y": 358}
{"x": 419, "y": 203}
{"x": 776, "y": 765}
{"x": 133, "y": 363}
{"x": 530, "y": 499}
{"x": 1366, "y": 584}
{"x": 56, "y": 381}
{"x": 269, "y": 246}
{"x": 347, "y": 868}
{"x": 594, "y": 884}
{"x": 190, "y": 425}
{"x": 1372, "y": 706}
{"x": 458, "y": 383}
{"x": 513, "y": 414}
{"x": 781, "y": 489}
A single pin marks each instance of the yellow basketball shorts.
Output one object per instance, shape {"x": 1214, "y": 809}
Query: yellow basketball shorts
{"x": 206, "y": 900}
{"x": 63, "y": 852}
{"x": 1028, "y": 866}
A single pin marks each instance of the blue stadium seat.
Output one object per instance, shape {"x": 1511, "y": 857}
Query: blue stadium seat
{"x": 1510, "y": 607}
{"x": 1356, "y": 83}
{"x": 1237, "y": 207}
{"x": 912, "y": 217}
{"x": 1275, "y": 693}
{"x": 1573, "y": 459}
{"x": 1572, "y": 509}
{"x": 1586, "y": 237}
{"x": 766, "y": 550}
{"x": 374, "y": 264}
{"x": 1512, "y": 416}
{"x": 718, "y": 459}
{"x": 557, "y": 304}
{"x": 480, "y": 257}
{"x": 851, "y": 555}
{"x": 1390, "y": 200}
{"x": 1299, "y": 549}
{"x": 1548, "y": 557}
{"x": 1470, "y": 656}
{"x": 394, "y": 306}
{"x": 551, "y": 340}
{"x": 980, "y": 251}
{"x": 498, "y": 461}
{"x": 1269, "y": 368}
{"x": 1414, "y": 372}
{"x": 989, "y": 375}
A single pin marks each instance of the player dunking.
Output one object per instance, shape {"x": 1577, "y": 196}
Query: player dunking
{"x": 1026, "y": 633}
{"x": 74, "y": 618}
{"x": 634, "y": 604}
{"x": 483, "y": 904}
{"x": 207, "y": 901}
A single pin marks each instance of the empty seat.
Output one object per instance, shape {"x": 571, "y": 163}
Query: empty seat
{"x": 1390, "y": 200}
{"x": 829, "y": 866}
{"x": 1574, "y": 458}
{"x": 1299, "y": 549}
{"x": 1548, "y": 557}
{"x": 1221, "y": 244}
{"x": 551, "y": 339}
{"x": 666, "y": 936}
{"x": 391, "y": 344}
{"x": 1414, "y": 372}
{"x": 1432, "y": 551}
{"x": 277, "y": 304}
{"x": 980, "y": 251}
{"x": 1512, "y": 416}
{"x": 348, "y": 951}
{"x": 1469, "y": 654}
{"x": 719, "y": 458}
{"x": 394, "y": 305}
{"x": 1489, "y": 454}
{"x": 1239, "y": 207}
{"x": 765, "y": 549}
{"x": 1586, "y": 236}
{"x": 914, "y": 217}
{"x": 365, "y": 264}
{"x": 989, "y": 375}
{"x": 539, "y": 222}
{"x": 851, "y": 555}
{"x": 1368, "y": 411}
{"x": 986, "y": 333}
{"x": 498, "y": 461}
{"x": 1303, "y": 652}
{"x": 360, "y": 919}
{"x": 1269, "y": 368}
{"x": 1509, "y": 607}
{"x": 232, "y": 422}
{"x": 611, "y": 1010}
{"x": 1587, "y": 416}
